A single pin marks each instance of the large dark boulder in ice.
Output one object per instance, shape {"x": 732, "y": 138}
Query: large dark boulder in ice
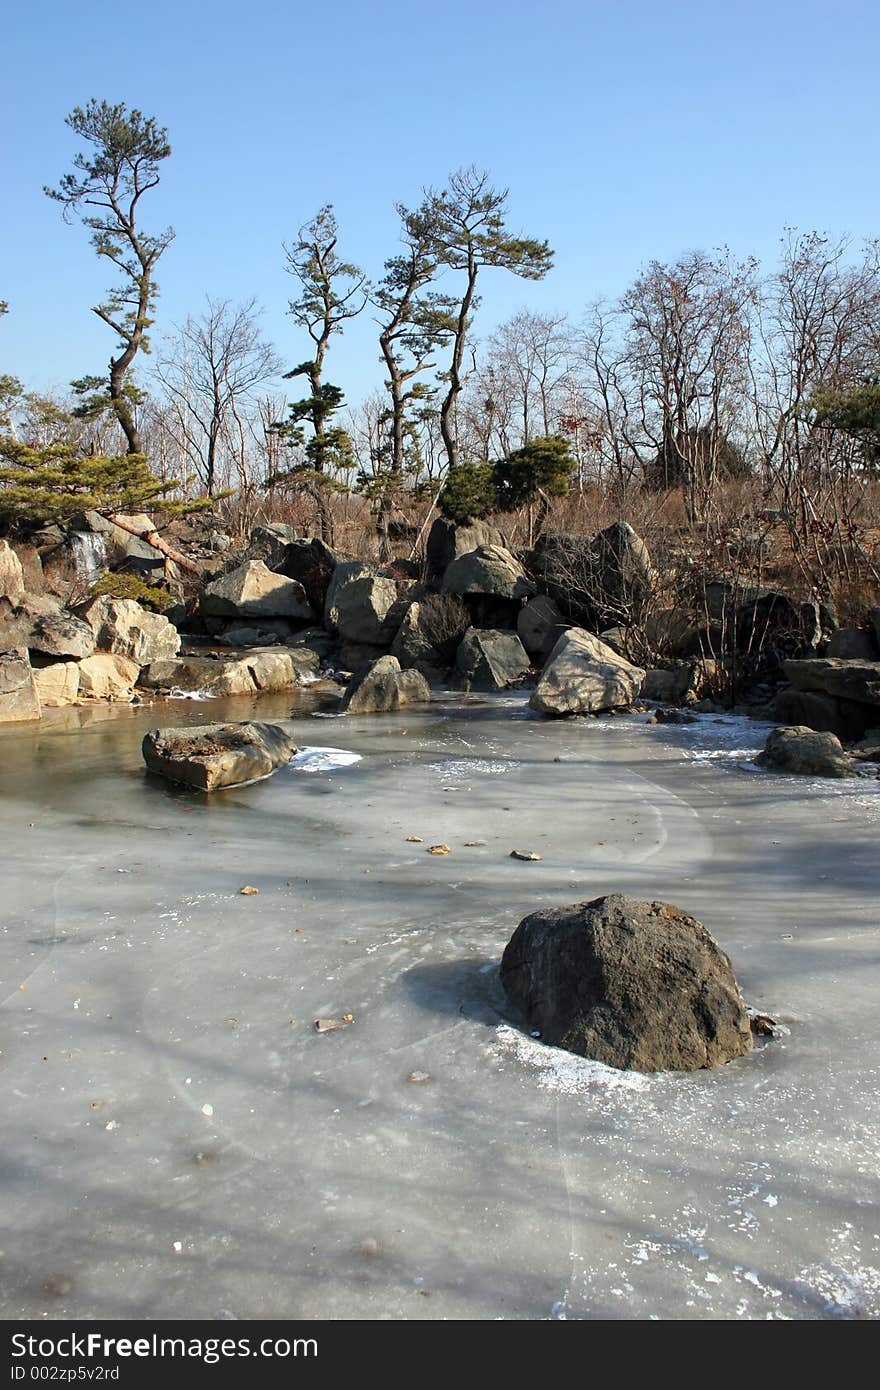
{"x": 217, "y": 755}
{"x": 641, "y": 986}
{"x": 805, "y": 751}
{"x": 490, "y": 660}
{"x": 382, "y": 687}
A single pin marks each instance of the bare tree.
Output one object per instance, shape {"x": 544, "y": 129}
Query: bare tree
{"x": 211, "y": 371}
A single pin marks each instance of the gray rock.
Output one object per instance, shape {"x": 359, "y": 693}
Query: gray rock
{"x": 382, "y": 686}
{"x": 849, "y": 680}
{"x": 867, "y": 748}
{"x": 489, "y": 571}
{"x": 344, "y": 573}
{"x": 62, "y": 635}
{"x": 806, "y": 752}
{"x": 852, "y": 644}
{"x": 19, "y": 699}
{"x": 251, "y": 590}
{"x": 809, "y": 708}
{"x": 681, "y": 684}
{"x": 217, "y": 755}
{"x": 414, "y": 649}
{"x": 367, "y": 610}
{"x": 11, "y": 575}
{"x": 601, "y": 581}
{"x": 539, "y": 625}
{"x": 446, "y": 542}
{"x": 122, "y": 626}
{"x": 269, "y": 542}
{"x": 637, "y": 985}
{"x": 583, "y": 676}
{"x": 490, "y": 660}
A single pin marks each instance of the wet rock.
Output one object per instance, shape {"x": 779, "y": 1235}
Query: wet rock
{"x": 583, "y": 676}
{"x": 867, "y": 748}
{"x": 107, "y": 676}
{"x": 490, "y": 571}
{"x": 123, "y": 627}
{"x": 382, "y": 686}
{"x": 252, "y": 590}
{"x": 62, "y": 635}
{"x": 852, "y": 644}
{"x": 490, "y": 660}
{"x": 217, "y": 755}
{"x": 637, "y": 985}
{"x": 19, "y": 699}
{"x": 11, "y": 575}
{"x": 806, "y": 752}
{"x": 57, "y": 683}
{"x": 267, "y": 633}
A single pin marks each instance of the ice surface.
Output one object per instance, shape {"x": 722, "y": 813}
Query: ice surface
{"x": 323, "y": 759}
{"x": 180, "y": 1142}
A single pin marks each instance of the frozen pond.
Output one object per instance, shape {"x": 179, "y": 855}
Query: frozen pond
{"x": 179, "y": 1141}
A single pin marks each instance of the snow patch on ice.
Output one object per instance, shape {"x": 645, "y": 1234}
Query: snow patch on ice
{"x": 564, "y": 1072}
{"x": 462, "y": 769}
{"x": 323, "y": 759}
{"x": 175, "y": 693}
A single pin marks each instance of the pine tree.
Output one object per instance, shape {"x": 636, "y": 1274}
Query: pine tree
{"x": 123, "y": 165}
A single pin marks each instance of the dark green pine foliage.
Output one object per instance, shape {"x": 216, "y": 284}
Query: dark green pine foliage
{"x": 333, "y": 291}
{"x": 55, "y": 482}
{"x": 108, "y": 183}
{"x": 855, "y": 413}
{"x": 543, "y": 466}
{"x": 415, "y": 322}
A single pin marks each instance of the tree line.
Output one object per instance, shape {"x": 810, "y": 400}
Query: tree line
{"x": 704, "y": 371}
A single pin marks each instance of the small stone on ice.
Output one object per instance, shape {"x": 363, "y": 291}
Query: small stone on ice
{"x": 525, "y": 854}
{"x": 248, "y": 891}
{"x": 208, "y": 1110}
{"x": 418, "y": 1078}
{"x": 178, "y": 1246}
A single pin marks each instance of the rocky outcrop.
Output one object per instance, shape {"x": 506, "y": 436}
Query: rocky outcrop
{"x": 108, "y": 676}
{"x": 217, "y": 755}
{"x": 123, "y": 627}
{"x": 490, "y": 571}
{"x": 806, "y": 752}
{"x": 311, "y": 563}
{"x": 271, "y": 669}
{"x": 382, "y": 687}
{"x": 636, "y": 985}
{"x": 488, "y": 660}
{"x": 252, "y": 590}
{"x": 269, "y": 542}
{"x": 583, "y": 676}
{"x": 11, "y": 576}
{"x": 19, "y": 699}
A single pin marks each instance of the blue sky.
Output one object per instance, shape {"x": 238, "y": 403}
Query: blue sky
{"x": 625, "y": 132}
